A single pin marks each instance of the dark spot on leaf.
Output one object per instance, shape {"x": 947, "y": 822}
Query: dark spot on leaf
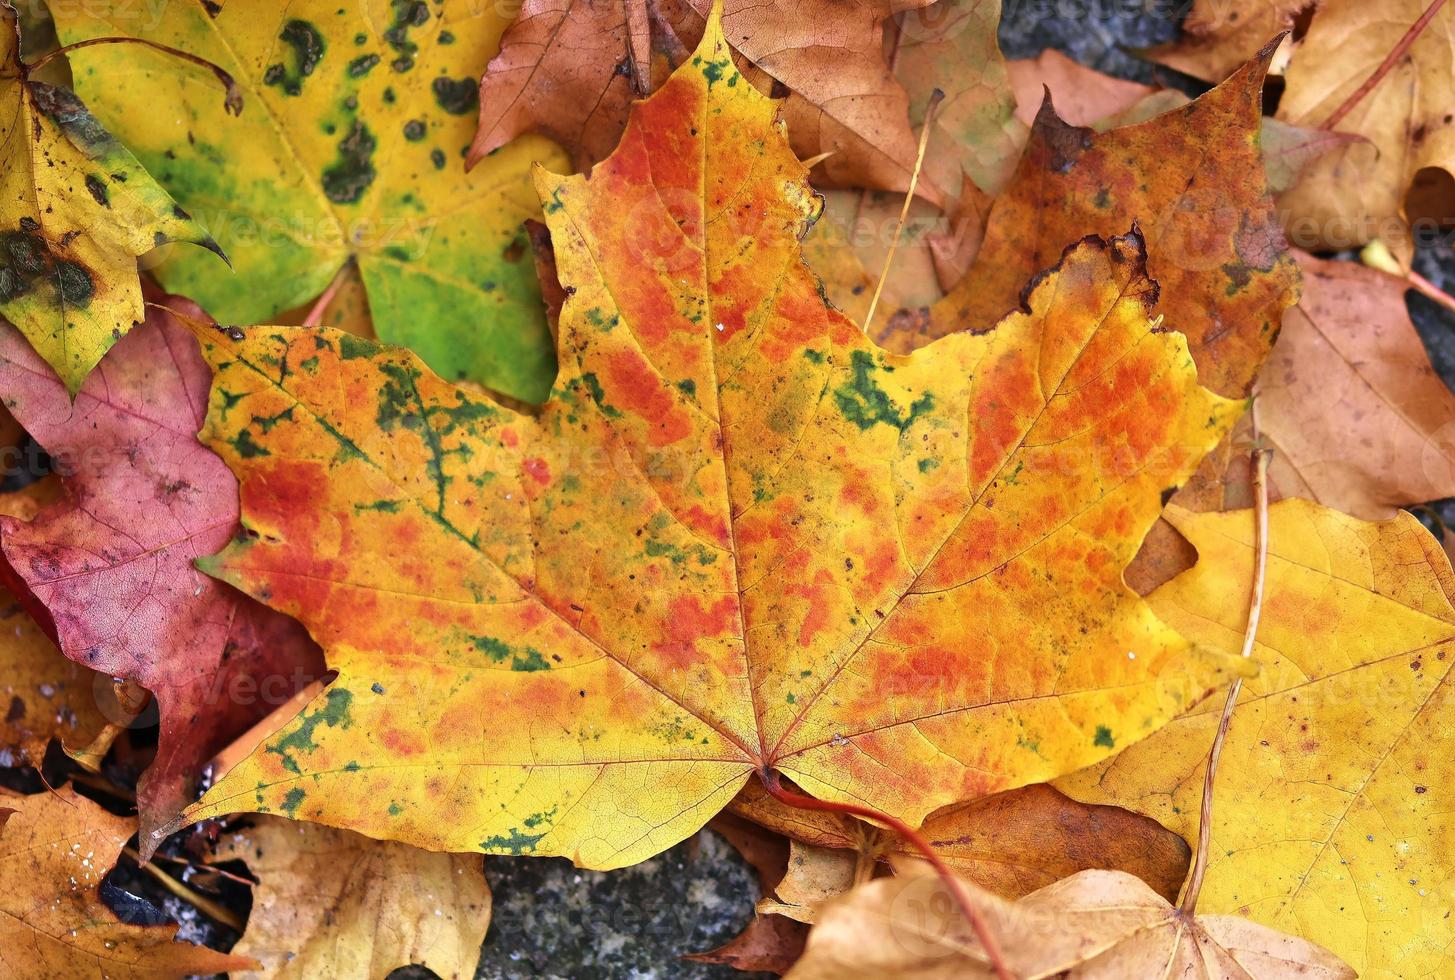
{"x": 407, "y": 14}
{"x": 97, "y": 188}
{"x": 345, "y": 181}
{"x": 457, "y": 96}
{"x": 362, "y": 65}
{"x": 863, "y": 402}
{"x": 414, "y": 130}
{"x": 292, "y": 802}
{"x": 308, "y": 47}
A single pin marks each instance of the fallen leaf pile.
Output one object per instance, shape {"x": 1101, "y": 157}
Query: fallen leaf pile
{"x": 615, "y": 420}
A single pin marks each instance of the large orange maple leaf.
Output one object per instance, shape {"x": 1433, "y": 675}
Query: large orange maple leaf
{"x": 738, "y": 538}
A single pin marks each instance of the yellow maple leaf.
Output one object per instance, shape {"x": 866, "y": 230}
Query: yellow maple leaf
{"x": 76, "y": 209}
{"x": 739, "y": 537}
{"x": 1330, "y": 820}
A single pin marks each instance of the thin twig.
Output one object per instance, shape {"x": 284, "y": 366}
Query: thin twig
{"x": 202, "y": 903}
{"x": 232, "y": 99}
{"x": 1428, "y": 289}
{"x": 924, "y": 140}
{"x": 1377, "y": 255}
{"x": 977, "y": 921}
{"x": 1396, "y": 53}
{"x": 1255, "y": 612}
{"x": 207, "y": 868}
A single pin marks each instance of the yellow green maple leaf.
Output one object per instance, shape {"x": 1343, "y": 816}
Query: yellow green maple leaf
{"x": 76, "y": 210}
{"x": 351, "y": 148}
{"x": 738, "y": 537}
{"x": 1331, "y": 817}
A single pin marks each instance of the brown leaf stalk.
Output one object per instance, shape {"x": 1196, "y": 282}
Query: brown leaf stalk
{"x": 202, "y": 903}
{"x": 1396, "y": 53}
{"x": 1255, "y": 612}
{"x": 987, "y": 939}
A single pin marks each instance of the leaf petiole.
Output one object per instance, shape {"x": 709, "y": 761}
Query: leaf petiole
{"x": 988, "y": 942}
{"x": 1255, "y": 612}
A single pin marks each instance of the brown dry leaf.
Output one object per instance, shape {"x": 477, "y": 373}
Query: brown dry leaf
{"x": 769, "y": 943}
{"x": 1220, "y": 35}
{"x": 844, "y": 98}
{"x": 1289, "y": 150}
{"x": 1356, "y": 416}
{"x": 1357, "y": 193}
{"x": 847, "y": 247}
{"x": 1011, "y": 843}
{"x": 332, "y": 904}
{"x": 570, "y": 68}
{"x": 952, "y": 46}
{"x": 1083, "y": 96}
{"x": 814, "y": 876}
{"x": 55, "y": 848}
{"x": 565, "y": 70}
{"x": 1194, "y": 180}
{"x": 1095, "y": 924}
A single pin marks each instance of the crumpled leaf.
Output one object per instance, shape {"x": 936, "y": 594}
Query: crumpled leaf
{"x": 350, "y": 148}
{"x": 1011, "y": 843}
{"x": 329, "y": 903}
{"x": 111, "y": 561}
{"x": 813, "y": 877}
{"x": 1193, "y": 179}
{"x": 1093, "y": 924}
{"x": 738, "y": 537}
{"x": 76, "y": 209}
{"x": 55, "y": 848}
{"x": 1332, "y": 817}
{"x": 42, "y": 694}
